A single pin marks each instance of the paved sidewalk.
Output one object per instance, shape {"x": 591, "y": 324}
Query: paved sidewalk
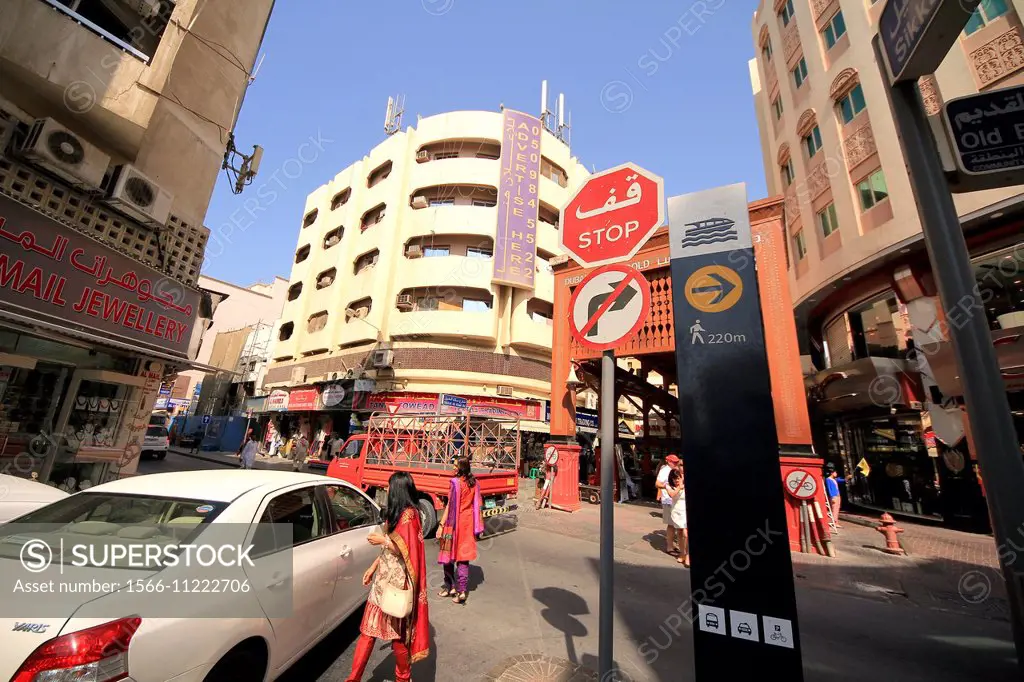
{"x": 944, "y": 569}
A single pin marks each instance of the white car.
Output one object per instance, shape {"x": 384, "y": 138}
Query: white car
{"x": 112, "y": 636}
{"x": 21, "y": 495}
{"x": 156, "y": 442}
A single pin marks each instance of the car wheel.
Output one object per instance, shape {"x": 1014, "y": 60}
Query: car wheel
{"x": 428, "y": 516}
{"x": 161, "y": 455}
{"x": 247, "y": 661}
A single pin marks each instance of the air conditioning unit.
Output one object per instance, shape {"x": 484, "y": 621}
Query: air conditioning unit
{"x": 420, "y": 201}
{"x": 414, "y": 251}
{"x": 422, "y": 155}
{"x": 51, "y": 146}
{"x": 504, "y": 390}
{"x": 383, "y": 358}
{"x": 132, "y": 193}
{"x": 403, "y": 302}
{"x": 298, "y": 375}
{"x": 352, "y": 374}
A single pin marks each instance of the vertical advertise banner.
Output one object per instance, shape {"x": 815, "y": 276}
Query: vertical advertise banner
{"x": 515, "y": 242}
{"x": 744, "y": 601}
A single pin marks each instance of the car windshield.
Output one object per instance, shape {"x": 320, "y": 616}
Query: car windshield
{"x": 104, "y": 518}
{"x": 351, "y": 450}
{"x": 156, "y": 432}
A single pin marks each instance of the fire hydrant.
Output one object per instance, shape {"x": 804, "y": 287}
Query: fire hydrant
{"x": 889, "y": 529}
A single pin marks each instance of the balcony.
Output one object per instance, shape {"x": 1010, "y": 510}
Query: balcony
{"x": 529, "y": 333}
{"x": 475, "y": 220}
{"x": 459, "y": 324}
{"x": 453, "y": 173}
{"x": 445, "y": 272}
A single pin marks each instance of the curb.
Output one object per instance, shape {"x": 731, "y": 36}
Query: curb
{"x": 192, "y": 455}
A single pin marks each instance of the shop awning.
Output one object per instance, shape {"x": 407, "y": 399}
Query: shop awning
{"x": 34, "y": 326}
{"x": 529, "y": 425}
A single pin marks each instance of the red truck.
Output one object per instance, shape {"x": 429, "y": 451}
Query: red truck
{"x": 427, "y": 446}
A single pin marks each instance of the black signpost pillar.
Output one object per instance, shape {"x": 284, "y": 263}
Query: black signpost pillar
{"x": 741, "y": 581}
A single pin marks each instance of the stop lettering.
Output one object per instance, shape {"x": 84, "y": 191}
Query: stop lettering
{"x": 611, "y": 215}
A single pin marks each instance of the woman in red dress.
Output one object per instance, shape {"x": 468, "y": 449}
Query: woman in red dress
{"x": 461, "y": 524}
{"x": 403, "y": 565}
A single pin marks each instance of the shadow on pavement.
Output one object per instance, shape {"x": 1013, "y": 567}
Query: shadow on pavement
{"x": 425, "y": 670}
{"x": 560, "y": 610}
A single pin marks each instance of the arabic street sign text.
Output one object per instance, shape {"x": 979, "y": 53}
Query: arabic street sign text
{"x": 988, "y": 131}
{"x": 917, "y": 34}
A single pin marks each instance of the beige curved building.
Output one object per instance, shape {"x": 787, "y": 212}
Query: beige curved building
{"x": 396, "y": 253}
{"x": 882, "y": 381}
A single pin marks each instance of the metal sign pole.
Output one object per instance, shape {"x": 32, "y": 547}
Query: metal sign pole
{"x": 994, "y": 435}
{"x": 607, "y": 561}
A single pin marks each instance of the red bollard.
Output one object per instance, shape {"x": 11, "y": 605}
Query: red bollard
{"x": 889, "y": 529}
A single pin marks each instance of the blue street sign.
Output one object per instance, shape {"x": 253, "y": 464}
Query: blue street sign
{"x": 917, "y": 34}
{"x": 455, "y": 401}
{"x": 987, "y": 130}
{"x": 206, "y": 419}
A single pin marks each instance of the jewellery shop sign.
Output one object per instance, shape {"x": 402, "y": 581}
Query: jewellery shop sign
{"x": 59, "y": 277}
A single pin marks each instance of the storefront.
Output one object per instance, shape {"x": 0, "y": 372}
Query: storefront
{"x": 86, "y": 338}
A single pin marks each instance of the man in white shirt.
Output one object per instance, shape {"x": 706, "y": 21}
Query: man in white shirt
{"x": 671, "y": 462}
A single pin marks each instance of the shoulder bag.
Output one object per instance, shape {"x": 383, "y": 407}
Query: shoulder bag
{"x": 396, "y": 601}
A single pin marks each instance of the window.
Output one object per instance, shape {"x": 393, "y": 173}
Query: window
{"x": 373, "y": 216}
{"x": 445, "y": 155}
{"x": 333, "y": 237}
{"x": 379, "y": 174}
{"x": 812, "y": 142}
{"x": 474, "y": 305}
{"x": 367, "y": 260}
{"x": 442, "y": 202}
{"x": 326, "y": 278}
{"x": 552, "y": 171}
{"x": 310, "y": 218}
{"x": 295, "y": 507}
{"x": 360, "y": 308}
{"x": 834, "y": 30}
{"x": 852, "y": 104}
{"x": 428, "y": 303}
{"x": 872, "y": 190}
{"x": 316, "y": 322}
{"x": 348, "y": 508}
{"x": 479, "y": 252}
{"x": 787, "y": 13}
{"x": 302, "y": 254}
{"x": 341, "y": 198}
{"x": 436, "y": 251}
{"x": 777, "y": 107}
{"x": 766, "y": 51}
{"x": 485, "y": 202}
{"x": 133, "y": 32}
{"x": 880, "y": 329}
{"x": 828, "y": 220}
{"x": 987, "y": 11}
{"x": 799, "y": 245}
{"x": 788, "y": 174}
{"x": 286, "y": 331}
{"x": 294, "y": 291}
{"x": 800, "y": 72}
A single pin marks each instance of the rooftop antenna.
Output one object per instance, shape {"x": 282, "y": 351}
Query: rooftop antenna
{"x": 546, "y": 115}
{"x": 564, "y": 128}
{"x": 393, "y": 118}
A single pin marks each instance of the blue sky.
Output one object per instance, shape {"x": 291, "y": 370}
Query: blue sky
{"x": 662, "y": 84}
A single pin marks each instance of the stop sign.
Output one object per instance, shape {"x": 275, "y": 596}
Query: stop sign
{"x": 612, "y": 214}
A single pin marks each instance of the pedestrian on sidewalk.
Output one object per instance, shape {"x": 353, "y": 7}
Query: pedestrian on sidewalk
{"x": 299, "y": 452}
{"x": 461, "y": 524}
{"x": 677, "y": 492}
{"x": 550, "y": 470}
{"x": 672, "y": 462}
{"x": 247, "y": 451}
{"x": 399, "y": 579}
{"x": 835, "y": 500}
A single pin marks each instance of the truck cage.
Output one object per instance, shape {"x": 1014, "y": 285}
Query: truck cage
{"x": 436, "y": 441}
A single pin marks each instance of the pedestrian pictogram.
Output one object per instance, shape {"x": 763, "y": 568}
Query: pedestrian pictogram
{"x": 609, "y": 306}
{"x": 612, "y": 214}
{"x": 714, "y": 289}
{"x": 801, "y": 484}
{"x": 697, "y": 333}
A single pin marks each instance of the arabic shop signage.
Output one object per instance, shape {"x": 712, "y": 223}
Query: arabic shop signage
{"x": 411, "y": 403}
{"x": 917, "y": 34}
{"x": 988, "y": 131}
{"x": 302, "y": 399}
{"x": 277, "y": 401}
{"x": 56, "y": 275}
{"x": 515, "y": 244}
